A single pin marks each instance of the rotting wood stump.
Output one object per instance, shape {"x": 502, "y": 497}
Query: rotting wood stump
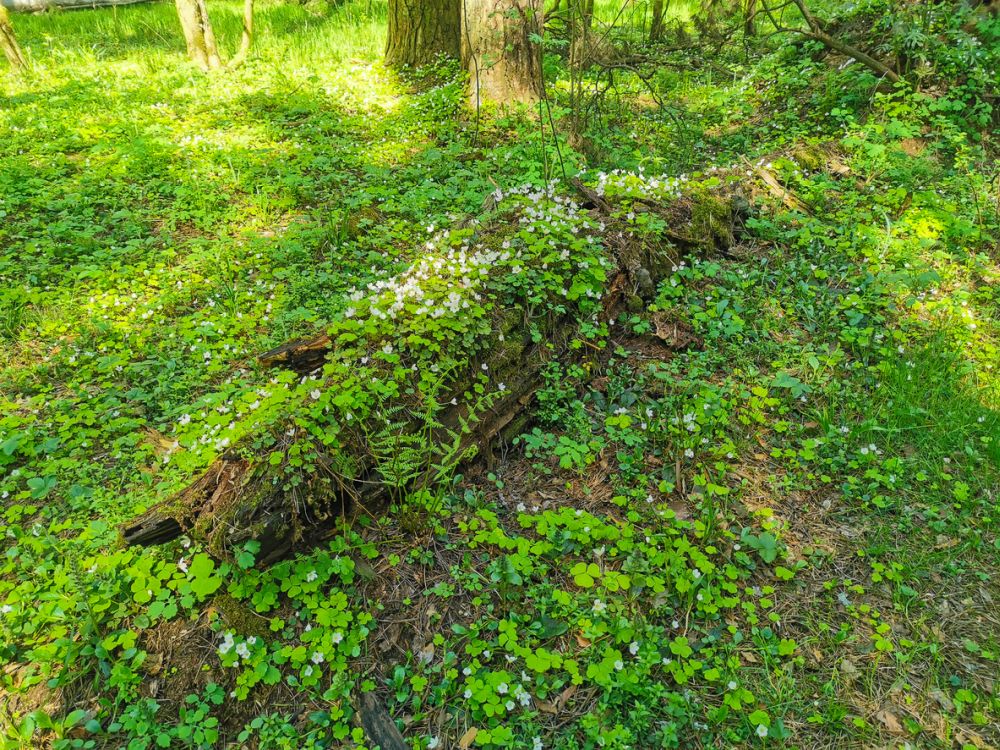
{"x": 244, "y": 497}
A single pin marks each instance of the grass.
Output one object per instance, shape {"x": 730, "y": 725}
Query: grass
{"x": 762, "y": 510}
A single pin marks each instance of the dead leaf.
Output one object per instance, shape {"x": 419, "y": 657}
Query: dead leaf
{"x": 944, "y": 542}
{"x": 942, "y": 699}
{"x": 890, "y": 722}
{"x": 153, "y": 664}
{"x": 545, "y": 707}
{"x": 581, "y": 641}
{"x": 466, "y": 741}
{"x": 426, "y": 654}
{"x": 564, "y": 697}
{"x": 680, "y": 509}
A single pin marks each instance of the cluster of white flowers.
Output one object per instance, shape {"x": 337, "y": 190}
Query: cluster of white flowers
{"x": 242, "y": 648}
{"x": 637, "y": 185}
{"x": 870, "y": 448}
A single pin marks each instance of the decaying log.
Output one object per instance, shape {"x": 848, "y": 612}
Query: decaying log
{"x": 236, "y": 501}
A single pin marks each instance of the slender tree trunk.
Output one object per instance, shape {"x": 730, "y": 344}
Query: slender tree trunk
{"x": 750, "y": 18}
{"x": 11, "y": 49}
{"x": 581, "y": 21}
{"x": 501, "y": 49}
{"x": 419, "y": 30}
{"x": 214, "y": 61}
{"x": 656, "y": 24}
{"x": 246, "y": 41}
{"x": 198, "y": 33}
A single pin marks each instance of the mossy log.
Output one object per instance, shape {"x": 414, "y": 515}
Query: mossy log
{"x": 240, "y": 497}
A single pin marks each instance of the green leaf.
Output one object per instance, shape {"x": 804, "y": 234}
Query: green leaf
{"x": 41, "y": 486}
{"x": 203, "y": 582}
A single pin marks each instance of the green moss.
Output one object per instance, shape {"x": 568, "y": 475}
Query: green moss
{"x": 711, "y": 219}
{"x": 239, "y": 618}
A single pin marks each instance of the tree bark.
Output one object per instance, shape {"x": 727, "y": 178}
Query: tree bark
{"x": 8, "y": 41}
{"x": 501, "y": 49}
{"x": 750, "y": 18}
{"x": 239, "y": 498}
{"x": 198, "y": 33}
{"x": 656, "y": 24}
{"x": 246, "y": 40}
{"x": 581, "y": 22}
{"x": 420, "y": 30}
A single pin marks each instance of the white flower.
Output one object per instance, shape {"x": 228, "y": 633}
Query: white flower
{"x": 5, "y": 609}
{"x": 242, "y": 651}
{"x": 599, "y": 606}
{"x": 509, "y": 705}
{"x": 185, "y": 419}
{"x": 317, "y": 657}
{"x": 633, "y": 648}
{"x": 432, "y": 743}
{"x": 536, "y": 743}
{"x": 619, "y": 665}
{"x": 761, "y": 731}
{"x": 315, "y": 394}
{"x": 467, "y": 694}
{"x": 338, "y": 637}
{"x": 696, "y": 574}
{"x": 311, "y": 576}
{"x": 732, "y": 685}
{"x": 182, "y": 565}
{"x": 502, "y": 688}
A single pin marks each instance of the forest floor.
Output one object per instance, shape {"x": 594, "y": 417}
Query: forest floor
{"x": 767, "y": 514}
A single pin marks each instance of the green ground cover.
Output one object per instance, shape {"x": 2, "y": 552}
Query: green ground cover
{"x": 765, "y": 514}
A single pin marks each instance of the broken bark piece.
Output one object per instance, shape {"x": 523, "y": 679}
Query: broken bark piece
{"x": 302, "y": 355}
{"x": 512, "y": 321}
{"x": 379, "y": 727}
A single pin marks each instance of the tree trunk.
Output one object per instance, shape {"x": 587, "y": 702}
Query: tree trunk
{"x": 198, "y": 33}
{"x": 656, "y": 24}
{"x": 246, "y": 41}
{"x": 750, "y": 18}
{"x": 11, "y": 49}
{"x": 248, "y": 494}
{"x": 581, "y": 21}
{"x": 501, "y": 49}
{"x": 420, "y": 30}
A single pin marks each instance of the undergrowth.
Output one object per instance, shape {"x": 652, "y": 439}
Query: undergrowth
{"x": 764, "y": 512}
